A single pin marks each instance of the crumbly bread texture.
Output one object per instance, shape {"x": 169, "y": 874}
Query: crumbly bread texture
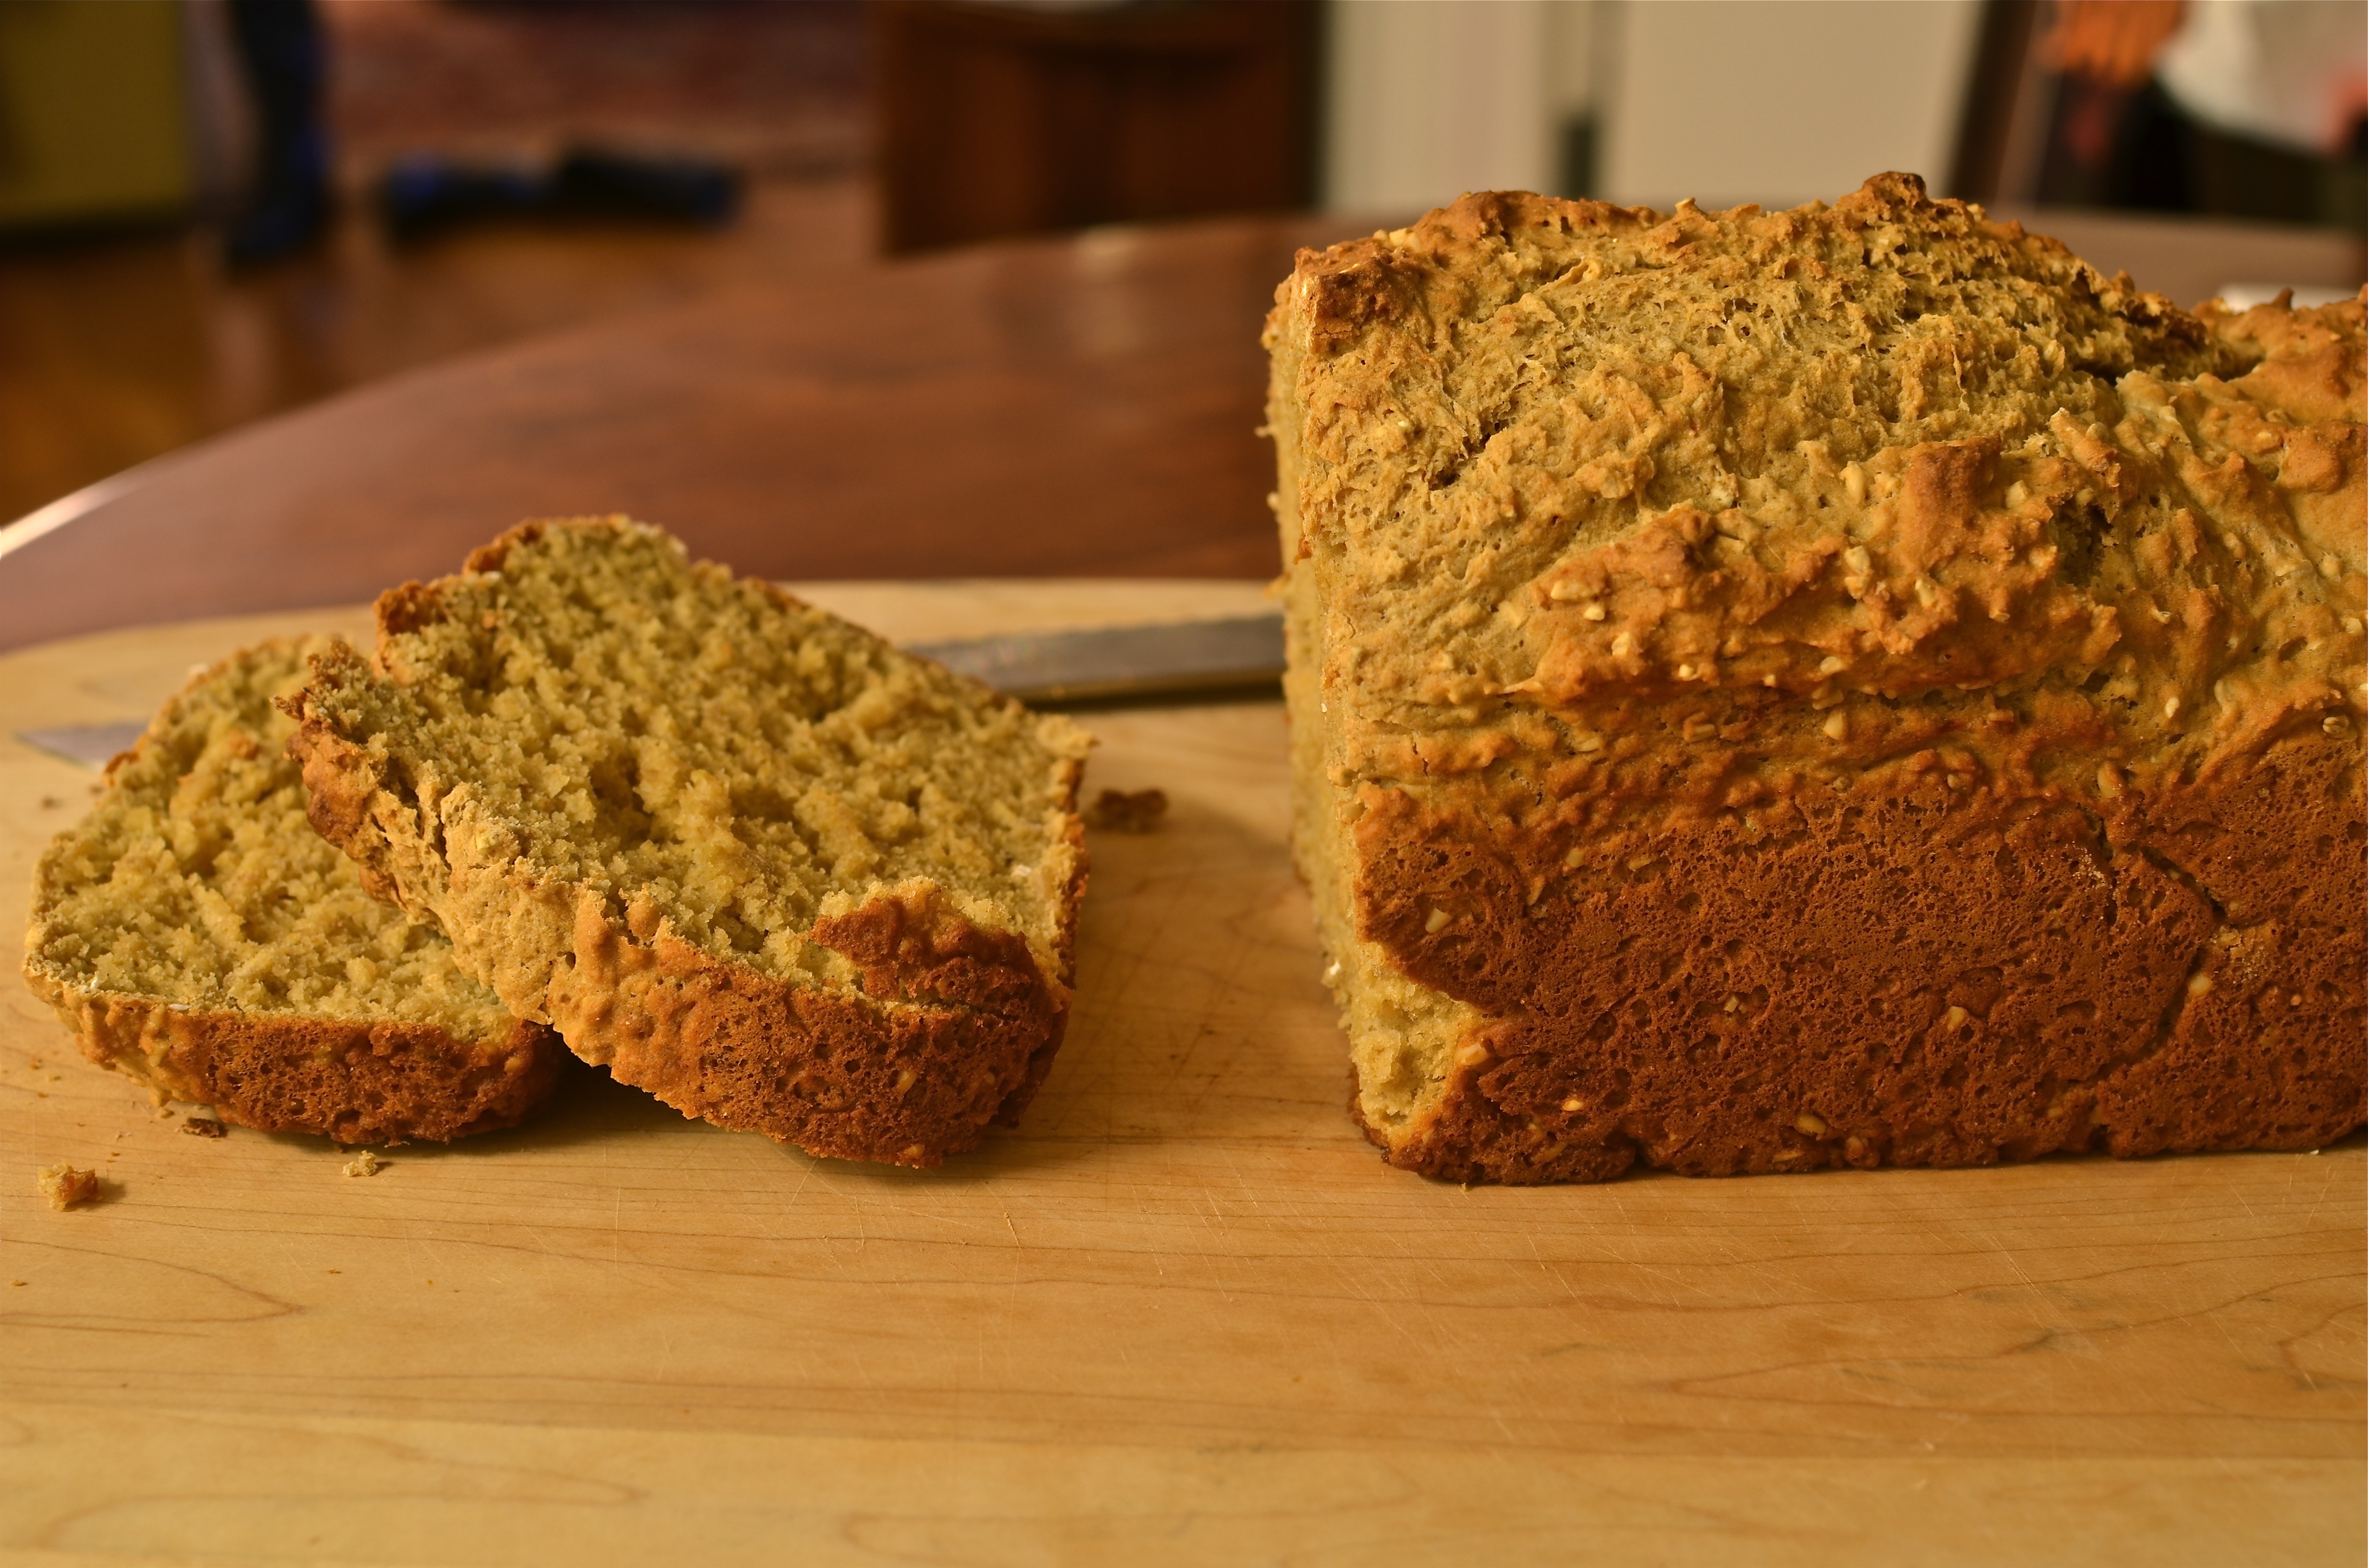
{"x": 1846, "y": 686}
{"x": 196, "y": 935}
{"x": 742, "y": 854}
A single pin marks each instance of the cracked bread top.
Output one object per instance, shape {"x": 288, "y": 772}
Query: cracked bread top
{"x": 196, "y": 882}
{"x": 1576, "y": 479}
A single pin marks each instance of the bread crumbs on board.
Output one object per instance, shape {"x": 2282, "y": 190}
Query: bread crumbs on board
{"x": 66, "y": 1188}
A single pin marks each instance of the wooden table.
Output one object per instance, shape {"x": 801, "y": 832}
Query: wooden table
{"x": 1081, "y": 407}
{"x": 1184, "y": 1314}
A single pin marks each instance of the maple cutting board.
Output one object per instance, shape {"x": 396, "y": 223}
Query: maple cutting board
{"x": 1183, "y": 1315}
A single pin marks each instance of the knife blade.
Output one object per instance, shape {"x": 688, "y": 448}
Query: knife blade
{"x": 90, "y": 745}
{"x": 1103, "y": 663}
{"x": 1100, "y": 665}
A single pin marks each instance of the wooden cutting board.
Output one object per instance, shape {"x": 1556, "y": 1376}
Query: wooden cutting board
{"x": 1183, "y": 1315}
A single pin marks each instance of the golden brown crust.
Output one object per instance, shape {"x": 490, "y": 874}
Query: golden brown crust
{"x": 354, "y": 1081}
{"x": 954, "y": 1029}
{"x": 1897, "y": 974}
{"x": 1844, "y": 687}
{"x": 341, "y": 779}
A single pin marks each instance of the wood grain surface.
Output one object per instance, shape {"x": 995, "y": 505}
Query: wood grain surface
{"x": 1182, "y": 1315}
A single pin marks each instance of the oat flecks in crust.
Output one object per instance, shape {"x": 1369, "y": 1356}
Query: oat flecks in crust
{"x": 745, "y": 855}
{"x": 1846, "y": 685}
{"x": 200, "y": 937}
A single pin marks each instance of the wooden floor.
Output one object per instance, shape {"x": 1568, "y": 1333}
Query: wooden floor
{"x": 114, "y": 351}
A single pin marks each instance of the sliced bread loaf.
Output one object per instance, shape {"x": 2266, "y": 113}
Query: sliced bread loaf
{"x": 1849, "y": 686}
{"x": 745, "y": 855}
{"x": 196, "y": 935}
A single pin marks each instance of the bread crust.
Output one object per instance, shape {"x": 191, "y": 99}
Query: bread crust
{"x": 955, "y": 1028}
{"x": 1895, "y": 975}
{"x": 352, "y": 1081}
{"x": 950, "y": 1028}
{"x": 1765, "y": 772}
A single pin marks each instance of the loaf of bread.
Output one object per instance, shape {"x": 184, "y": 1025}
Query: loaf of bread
{"x": 1772, "y": 690}
{"x": 198, "y": 935}
{"x": 744, "y": 855}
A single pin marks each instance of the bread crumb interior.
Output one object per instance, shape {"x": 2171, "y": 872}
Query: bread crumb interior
{"x": 1403, "y": 1035}
{"x": 195, "y": 880}
{"x": 708, "y": 754}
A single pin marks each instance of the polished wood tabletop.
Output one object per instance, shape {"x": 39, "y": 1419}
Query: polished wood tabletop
{"x": 1078, "y": 406}
{"x": 1084, "y": 406}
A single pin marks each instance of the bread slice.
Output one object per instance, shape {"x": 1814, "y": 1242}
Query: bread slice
{"x": 1848, "y": 686}
{"x": 198, "y": 935}
{"x": 745, "y": 855}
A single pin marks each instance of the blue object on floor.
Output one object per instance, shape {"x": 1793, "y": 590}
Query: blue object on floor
{"x": 423, "y": 195}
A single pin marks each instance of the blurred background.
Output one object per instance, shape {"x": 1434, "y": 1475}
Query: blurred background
{"x": 214, "y": 210}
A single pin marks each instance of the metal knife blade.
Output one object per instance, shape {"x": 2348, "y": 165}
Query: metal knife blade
{"x": 1242, "y": 654}
{"x": 91, "y": 745}
{"x": 1191, "y": 657}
